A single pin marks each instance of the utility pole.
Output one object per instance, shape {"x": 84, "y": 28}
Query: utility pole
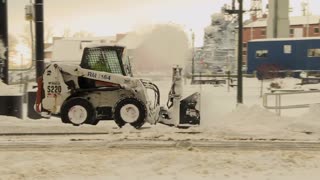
{"x": 4, "y": 37}
{"x": 240, "y": 88}
{"x": 192, "y": 37}
{"x": 239, "y": 12}
{"x": 39, "y": 28}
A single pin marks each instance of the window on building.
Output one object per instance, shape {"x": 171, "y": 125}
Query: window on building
{"x": 244, "y": 45}
{"x": 244, "y": 53}
{"x": 263, "y": 32}
{"x": 287, "y": 49}
{"x": 314, "y": 52}
{"x": 291, "y": 31}
{"x": 262, "y": 53}
{"x": 316, "y": 30}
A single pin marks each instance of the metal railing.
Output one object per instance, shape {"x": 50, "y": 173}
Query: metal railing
{"x": 278, "y": 100}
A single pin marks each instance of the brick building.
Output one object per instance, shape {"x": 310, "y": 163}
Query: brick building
{"x": 300, "y": 26}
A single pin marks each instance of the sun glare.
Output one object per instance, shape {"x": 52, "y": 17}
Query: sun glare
{"x": 22, "y": 55}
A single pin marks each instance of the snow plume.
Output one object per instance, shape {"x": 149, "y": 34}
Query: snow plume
{"x": 158, "y": 48}
{"x": 2, "y": 50}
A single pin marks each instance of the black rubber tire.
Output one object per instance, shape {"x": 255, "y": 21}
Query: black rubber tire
{"x": 68, "y": 104}
{"x": 142, "y": 112}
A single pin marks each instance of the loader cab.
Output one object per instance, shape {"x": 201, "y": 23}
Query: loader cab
{"x": 104, "y": 58}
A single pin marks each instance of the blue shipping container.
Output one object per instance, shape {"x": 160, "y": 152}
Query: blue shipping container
{"x": 285, "y": 53}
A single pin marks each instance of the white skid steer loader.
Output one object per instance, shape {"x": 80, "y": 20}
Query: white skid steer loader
{"x": 102, "y": 88}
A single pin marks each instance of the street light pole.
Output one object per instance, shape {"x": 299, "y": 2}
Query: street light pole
{"x": 240, "y": 83}
{"x": 192, "y": 37}
{"x": 239, "y": 12}
{"x": 39, "y": 37}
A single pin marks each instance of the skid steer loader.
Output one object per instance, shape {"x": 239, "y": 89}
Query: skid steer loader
{"x": 102, "y": 88}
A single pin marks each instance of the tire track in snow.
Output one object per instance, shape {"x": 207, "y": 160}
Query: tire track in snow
{"x": 99, "y": 143}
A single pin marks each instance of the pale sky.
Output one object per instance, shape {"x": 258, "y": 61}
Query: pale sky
{"x": 108, "y": 17}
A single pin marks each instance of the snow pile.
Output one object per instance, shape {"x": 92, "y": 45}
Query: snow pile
{"x": 257, "y": 122}
{"x": 313, "y": 114}
{"x": 308, "y": 122}
{"x": 252, "y": 121}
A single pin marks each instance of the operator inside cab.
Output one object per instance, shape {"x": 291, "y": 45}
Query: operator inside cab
{"x": 102, "y": 59}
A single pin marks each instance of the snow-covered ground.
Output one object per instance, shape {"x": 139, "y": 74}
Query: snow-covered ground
{"x": 221, "y": 119}
{"x": 159, "y": 164}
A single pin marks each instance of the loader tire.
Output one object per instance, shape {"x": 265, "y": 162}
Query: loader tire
{"x": 78, "y": 111}
{"x": 130, "y": 110}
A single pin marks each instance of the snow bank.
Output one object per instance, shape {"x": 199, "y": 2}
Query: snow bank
{"x": 308, "y": 122}
{"x": 258, "y": 122}
{"x": 222, "y": 118}
{"x": 251, "y": 121}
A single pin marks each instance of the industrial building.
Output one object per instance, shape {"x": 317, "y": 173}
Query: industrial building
{"x": 300, "y": 26}
{"x": 284, "y": 54}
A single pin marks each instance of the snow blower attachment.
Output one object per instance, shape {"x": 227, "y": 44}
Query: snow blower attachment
{"x": 180, "y": 112}
{"x": 100, "y": 88}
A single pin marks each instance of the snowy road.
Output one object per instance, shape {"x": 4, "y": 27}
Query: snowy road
{"x": 101, "y": 142}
